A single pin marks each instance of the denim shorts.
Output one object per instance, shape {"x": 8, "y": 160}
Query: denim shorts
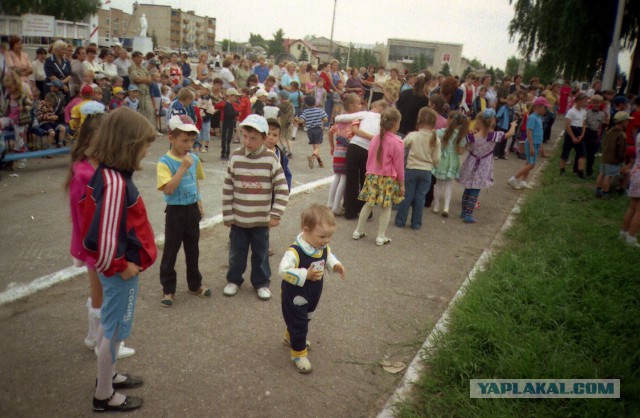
{"x": 315, "y": 135}
{"x": 610, "y": 170}
{"x": 531, "y": 159}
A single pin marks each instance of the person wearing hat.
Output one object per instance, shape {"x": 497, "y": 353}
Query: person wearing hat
{"x": 86, "y": 93}
{"x": 255, "y": 196}
{"x": 261, "y": 99}
{"x": 228, "y": 115}
{"x": 103, "y": 82}
{"x": 575, "y": 127}
{"x": 118, "y": 98}
{"x": 614, "y": 146}
{"x": 131, "y": 101}
{"x": 271, "y": 110}
{"x": 535, "y": 137}
{"x": 179, "y": 172}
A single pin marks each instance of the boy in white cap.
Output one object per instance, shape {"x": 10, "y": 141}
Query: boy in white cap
{"x": 254, "y": 197}
{"x": 614, "y": 146}
{"x": 179, "y": 171}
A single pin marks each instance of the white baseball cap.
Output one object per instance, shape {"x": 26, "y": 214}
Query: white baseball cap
{"x": 261, "y": 93}
{"x": 233, "y": 92}
{"x": 257, "y": 122}
{"x": 183, "y": 123}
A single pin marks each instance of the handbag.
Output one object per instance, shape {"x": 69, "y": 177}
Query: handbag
{"x": 25, "y": 118}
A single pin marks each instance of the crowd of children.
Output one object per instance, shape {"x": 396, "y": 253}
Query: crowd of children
{"x": 375, "y": 165}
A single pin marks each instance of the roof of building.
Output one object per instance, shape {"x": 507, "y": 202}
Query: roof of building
{"x": 422, "y": 41}
{"x": 327, "y": 40}
{"x": 288, "y": 42}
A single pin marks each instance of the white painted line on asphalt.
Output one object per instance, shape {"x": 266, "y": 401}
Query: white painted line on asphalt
{"x": 416, "y": 367}
{"x": 14, "y": 293}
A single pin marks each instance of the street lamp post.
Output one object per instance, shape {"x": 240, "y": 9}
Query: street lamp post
{"x": 333, "y": 21}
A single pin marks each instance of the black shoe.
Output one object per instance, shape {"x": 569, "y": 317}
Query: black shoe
{"x": 130, "y": 403}
{"x": 130, "y": 383}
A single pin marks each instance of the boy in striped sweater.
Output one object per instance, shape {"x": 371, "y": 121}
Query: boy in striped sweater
{"x": 253, "y": 176}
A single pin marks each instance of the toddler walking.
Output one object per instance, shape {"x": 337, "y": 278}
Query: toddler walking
{"x": 477, "y": 170}
{"x": 384, "y": 180}
{"x": 302, "y": 269}
{"x": 453, "y": 141}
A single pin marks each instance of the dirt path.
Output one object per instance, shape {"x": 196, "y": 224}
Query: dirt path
{"x": 224, "y": 356}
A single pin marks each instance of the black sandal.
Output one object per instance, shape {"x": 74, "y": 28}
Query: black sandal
{"x": 130, "y": 403}
{"x": 131, "y": 382}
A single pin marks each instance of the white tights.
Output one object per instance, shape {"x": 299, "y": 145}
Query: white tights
{"x": 336, "y": 192}
{"x": 437, "y": 193}
{"x": 383, "y": 220}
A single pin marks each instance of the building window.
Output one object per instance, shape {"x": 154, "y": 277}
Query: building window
{"x": 108, "y": 21}
{"x": 411, "y": 53}
{"x": 299, "y": 47}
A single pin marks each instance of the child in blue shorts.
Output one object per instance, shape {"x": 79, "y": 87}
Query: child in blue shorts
{"x": 535, "y": 134}
{"x": 313, "y": 117}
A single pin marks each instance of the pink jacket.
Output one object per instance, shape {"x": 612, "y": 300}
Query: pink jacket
{"x": 392, "y": 157}
{"x": 82, "y": 173}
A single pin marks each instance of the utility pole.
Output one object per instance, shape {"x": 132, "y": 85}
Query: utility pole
{"x": 333, "y": 21}
{"x": 614, "y": 49}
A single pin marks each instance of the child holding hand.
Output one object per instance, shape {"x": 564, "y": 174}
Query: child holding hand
{"x": 302, "y": 269}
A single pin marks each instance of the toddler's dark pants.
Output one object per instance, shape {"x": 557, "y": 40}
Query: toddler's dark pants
{"x": 298, "y": 307}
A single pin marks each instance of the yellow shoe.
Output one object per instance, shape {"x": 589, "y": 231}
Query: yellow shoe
{"x": 303, "y": 365}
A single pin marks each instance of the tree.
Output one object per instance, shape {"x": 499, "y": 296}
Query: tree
{"x": 492, "y": 73}
{"x": 337, "y": 54}
{"x": 466, "y": 72}
{"x": 309, "y": 37}
{"x": 512, "y": 66}
{"x": 303, "y": 55}
{"x": 475, "y": 63}
{"x": 73, "y": 10}
{"x": 445, "y": 71}
{"x": 570, "y": 36}
{"x": 531, "y": 69}
{"x": 257, "y": 40}
{"x": 276, "y": 45}
{"x": 499, "y": 74}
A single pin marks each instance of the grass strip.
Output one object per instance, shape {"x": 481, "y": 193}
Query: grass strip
{"x": 561, "y": 300}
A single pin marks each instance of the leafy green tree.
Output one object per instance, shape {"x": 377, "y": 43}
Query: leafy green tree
{"x": 499, "y": 74}
{"x": 276, "y": 45}
{"x": 492, "y": 73}
{"x": 569, "y": 36}
{"x": 445, "y": 71}
{"x": 513, "y": 64}
{"x": 466, "y": 72}
{"x": 531, "y": 69}
{"x": 303, "y": 55}
{"x": 73, "y": 10}
{"x": 475, "y": 63}
{"x": 257, "y": 40}
{"x": 338, "y": 55}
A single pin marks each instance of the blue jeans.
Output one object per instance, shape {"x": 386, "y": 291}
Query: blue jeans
{"x": 328, "y": 108}
{"x": 241, "y": 239}
{"x": 416, "y": 185}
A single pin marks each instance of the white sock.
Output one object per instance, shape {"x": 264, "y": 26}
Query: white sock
{"x": 383, "y": 222}
{"x": 437, "y": 192}
{"x": 448, "y": 185}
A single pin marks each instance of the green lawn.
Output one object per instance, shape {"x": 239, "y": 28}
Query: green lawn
{"x": 560, "y": 301}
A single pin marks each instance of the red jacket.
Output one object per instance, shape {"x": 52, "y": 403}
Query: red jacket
{"x": 115, "y": 226}
{"x": 243, "y": 108}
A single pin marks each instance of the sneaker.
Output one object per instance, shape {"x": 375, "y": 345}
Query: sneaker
{"x": 445, "y": 214}
{"x": 340, "y": 212}
{"x": 205, "y": 149}
{"x": 230, "y": 289}
{"x": 513, "y": 182}
{"x": 90, "y": 343}
{"x": 632, "y": 241}
{"x": 303, "y": 365}
{"x": 621, "y": 234}
{"x": 124, "y": 352}
{"x": 264, "y": 293}
{"x": 358, "y": 235}
{"x": 310, "y": 159}
{"x": 380, "y": 241}
{"x": 525, "y": 185}
{"x": 469, "y": 219}
{"x": 435, "y": 210}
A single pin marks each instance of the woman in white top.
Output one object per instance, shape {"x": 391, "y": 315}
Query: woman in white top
{"x": 109, "y": 68}
{"x": 202, "y": 70}
{"x": 91, "y": 63}
{"x": 575, "y": 129}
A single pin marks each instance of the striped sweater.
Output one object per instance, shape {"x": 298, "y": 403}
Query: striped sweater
{"x": 252, "y": 179}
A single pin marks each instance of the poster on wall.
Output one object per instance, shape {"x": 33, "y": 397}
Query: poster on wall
{"x": 446, "y": 58}
{"x": 38, "y": 25}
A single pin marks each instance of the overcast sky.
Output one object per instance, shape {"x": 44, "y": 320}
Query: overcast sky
{"x": 481, "y": 26}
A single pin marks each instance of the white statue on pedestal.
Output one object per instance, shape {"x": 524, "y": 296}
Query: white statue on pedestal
{"x": 143, "y": 26}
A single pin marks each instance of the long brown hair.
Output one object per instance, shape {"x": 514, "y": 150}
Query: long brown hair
{"x": 124, "y": 135}
{"x": 458, "y": 123}
{"x": 388, "y": 120}
{"x": 87, "y": 132}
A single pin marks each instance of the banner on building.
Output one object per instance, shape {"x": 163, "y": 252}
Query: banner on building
{"x": 38, "y": 25}
{"x": 446, "y": 58}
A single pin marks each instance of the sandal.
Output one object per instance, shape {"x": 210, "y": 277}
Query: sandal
{"x": 167, "y": 301}
{"x": 271, "y": 252}
{"x": 130, "y": 383}
{"x": 320, "y": 163}
{"x": 202, "y": 292}
{"x": 130, "y": 403}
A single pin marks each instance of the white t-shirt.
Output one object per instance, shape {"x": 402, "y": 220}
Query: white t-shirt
{"x": 379, "y": 78}
{"x": 227, "y": 77}
{"x": 369, "y": 123}
{"x": 577, "y": 117}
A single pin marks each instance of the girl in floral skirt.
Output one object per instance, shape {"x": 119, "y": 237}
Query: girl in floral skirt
{"x": 384, "y": 181}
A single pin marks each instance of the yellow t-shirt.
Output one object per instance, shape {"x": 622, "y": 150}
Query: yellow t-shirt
{"x": 77, "y": 118}
{"x": 164, "y": 173}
